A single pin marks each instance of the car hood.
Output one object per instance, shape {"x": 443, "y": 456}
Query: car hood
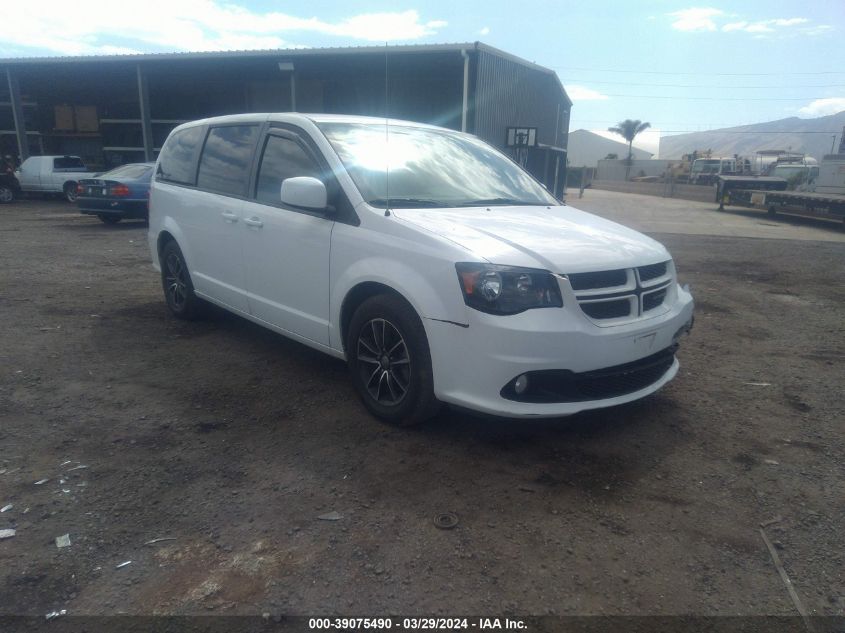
{"x": 560, "y": 239}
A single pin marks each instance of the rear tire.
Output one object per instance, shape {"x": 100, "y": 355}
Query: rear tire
{"x": 7, "y": 194}
{"x": 390, "y": 362}
{"x": 107, "y": 218}
{"x": 69, "y": 191}
{"x": 177, "y": 285}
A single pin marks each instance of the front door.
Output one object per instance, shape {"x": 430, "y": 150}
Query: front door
{"x": 287, "y": 250}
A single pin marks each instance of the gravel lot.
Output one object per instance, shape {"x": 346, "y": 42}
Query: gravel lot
{"x": 232, "y": 441}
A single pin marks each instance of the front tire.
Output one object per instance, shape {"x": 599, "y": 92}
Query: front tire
{"x": 69, "y": 191}
{"x": 177, "y": 285}
{"x": 390, "y": 362}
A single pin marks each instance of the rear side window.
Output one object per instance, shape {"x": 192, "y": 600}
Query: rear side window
{"x": 226, "y": 159}
{"x": 283, "y": 158}
{"x": 177, "y": 160}
{"x": 68, "y": 162}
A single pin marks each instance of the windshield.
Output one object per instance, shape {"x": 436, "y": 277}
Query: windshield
{"x": 429, "y": 168}
{"x": 130, "y": 172}
{"x": 705, "y": 166}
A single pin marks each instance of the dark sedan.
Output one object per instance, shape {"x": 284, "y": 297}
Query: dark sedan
{"x": 123, "y": 192}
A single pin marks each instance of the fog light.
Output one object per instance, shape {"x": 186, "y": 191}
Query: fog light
{"x": 521, "y": 384}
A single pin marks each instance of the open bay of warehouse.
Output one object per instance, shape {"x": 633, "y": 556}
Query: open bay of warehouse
{"x": 229, "y": 442}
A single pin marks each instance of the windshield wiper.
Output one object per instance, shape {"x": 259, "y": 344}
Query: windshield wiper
{"x": 406, "y": 203}
{"x": 511, "y": 202}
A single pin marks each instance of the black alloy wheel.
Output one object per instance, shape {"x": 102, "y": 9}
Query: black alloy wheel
{"x": 383, "y": 362}
{"x": 390, "y": 362}
{"x": 177, "y": 285}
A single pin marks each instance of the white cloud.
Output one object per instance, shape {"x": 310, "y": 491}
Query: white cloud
{"x": 186, "y": 25}
{"x": 695, "y": 19}
{"x": 819, "y": 29}
{"x": 484, "y": 31}
{"x": 379, "y": 27}
{"x": 582, "y": 93}
{"x": 116, "y": 50}
{"x": 789, "y": 21}
{"x": 648, "y": 140}
{"x": 706, "y": 18}
{"x": 822, "y": 107}
{"x": 763, "y": 26}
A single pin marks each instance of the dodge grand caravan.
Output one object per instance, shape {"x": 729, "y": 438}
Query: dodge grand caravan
{"x": 434, "y": 265}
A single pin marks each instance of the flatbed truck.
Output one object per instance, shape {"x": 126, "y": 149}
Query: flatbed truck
{"x": 770, "y": 194}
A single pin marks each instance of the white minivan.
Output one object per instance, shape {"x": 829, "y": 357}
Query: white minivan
{"x": 434, "y": 265}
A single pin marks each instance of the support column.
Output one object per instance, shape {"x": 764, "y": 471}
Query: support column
{"x": 17, "y": 114}
{"x": 146, "y": 123}
{"x": 293, "y": 91}
{"x": 288, "y": 67}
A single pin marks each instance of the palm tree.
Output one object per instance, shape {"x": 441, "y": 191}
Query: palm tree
{"x": 628, "y": 129}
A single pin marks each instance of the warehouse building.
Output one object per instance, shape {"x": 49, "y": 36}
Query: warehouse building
{"x": 119, "y": 108}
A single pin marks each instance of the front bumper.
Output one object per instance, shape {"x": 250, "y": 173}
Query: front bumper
{"x": 473, "y": 365}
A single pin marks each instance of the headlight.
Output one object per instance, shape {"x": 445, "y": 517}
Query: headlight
{"x": 507, "y": 289}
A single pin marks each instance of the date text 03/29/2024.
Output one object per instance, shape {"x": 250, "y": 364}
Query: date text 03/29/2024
{"x": 416, "y": 624}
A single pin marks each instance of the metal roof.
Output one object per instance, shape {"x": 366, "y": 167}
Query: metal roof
{"x": 276, "y": 52}
{"x": 288, "y": 53}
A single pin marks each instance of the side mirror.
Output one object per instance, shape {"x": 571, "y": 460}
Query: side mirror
{"x": 304, "y": 192}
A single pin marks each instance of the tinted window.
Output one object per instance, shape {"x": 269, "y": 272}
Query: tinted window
{"x": 177, "y": 158}
{"x": 68, "y": 162}
{"x": 283, "y": 158}
{"x": 226, "y": 158}
{"x": 128, "y": 172}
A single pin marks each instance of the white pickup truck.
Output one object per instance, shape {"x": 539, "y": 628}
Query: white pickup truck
{"x": 52, "y": 174}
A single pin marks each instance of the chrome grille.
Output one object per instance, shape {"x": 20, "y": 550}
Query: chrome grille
{"x": 617, "y": 296}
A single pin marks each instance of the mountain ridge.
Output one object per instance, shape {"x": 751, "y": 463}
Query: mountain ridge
{"x": 810, "y": 136}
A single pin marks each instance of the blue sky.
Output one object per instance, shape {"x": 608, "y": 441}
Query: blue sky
{"x": 683, "y": 66}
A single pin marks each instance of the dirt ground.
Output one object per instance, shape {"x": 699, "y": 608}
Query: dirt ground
{"x": 232, "y": 441}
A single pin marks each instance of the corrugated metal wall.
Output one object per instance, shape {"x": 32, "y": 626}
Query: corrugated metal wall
{"x": 508, "y": 94}
{"x": 424, "y": 86}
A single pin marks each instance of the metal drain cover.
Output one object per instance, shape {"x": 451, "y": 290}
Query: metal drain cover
{"x": 446, "y": 520}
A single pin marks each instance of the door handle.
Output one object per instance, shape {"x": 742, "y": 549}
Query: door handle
{"x": 230, "y": 217}
{"x": 254, "y": 222}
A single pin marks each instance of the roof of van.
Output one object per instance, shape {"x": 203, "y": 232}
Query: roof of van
{"x": 293, "y": 117}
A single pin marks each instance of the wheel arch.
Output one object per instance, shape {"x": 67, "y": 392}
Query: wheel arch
{"x": 357, "y": 295}
{"x": 167, "y": 231}
{"x": 163, "y": 238}
{"x": 425, "y": 285}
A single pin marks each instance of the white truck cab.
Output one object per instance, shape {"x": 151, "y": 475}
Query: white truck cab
{"x": 705, "y": 170}
{"x": 52, "y": 174}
